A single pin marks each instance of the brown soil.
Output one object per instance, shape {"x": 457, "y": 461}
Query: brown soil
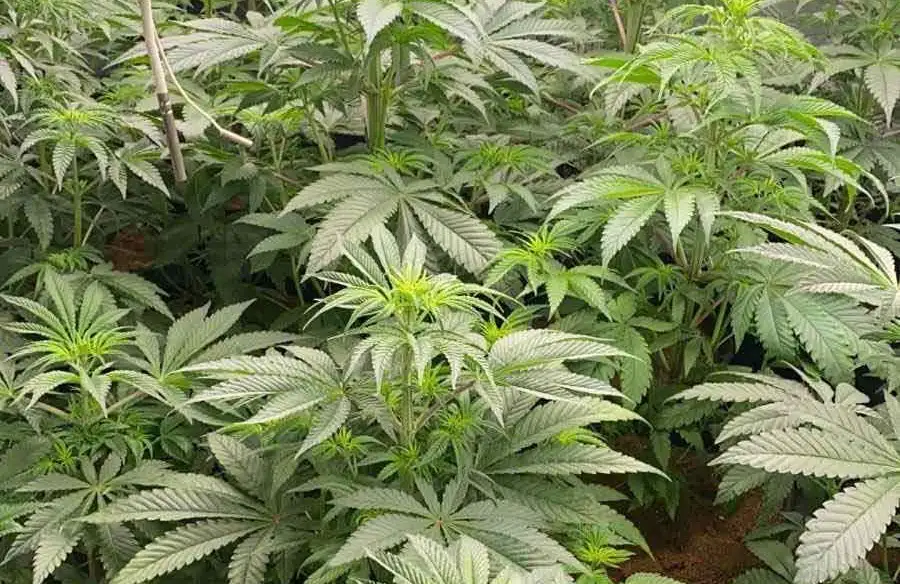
{"x": 703, "y": 545}
{"x": 700, "y": 547}
{"x": 128, "y": 250}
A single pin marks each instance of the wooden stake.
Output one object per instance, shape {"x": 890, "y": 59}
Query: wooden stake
{"x": 162, "y": 91}
{"x": 623, "y": 37}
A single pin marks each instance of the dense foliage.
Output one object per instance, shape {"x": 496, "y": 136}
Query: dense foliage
{"x": 433, "y": 266}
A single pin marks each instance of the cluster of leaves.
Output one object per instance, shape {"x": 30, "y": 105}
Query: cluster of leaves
{"x": 482, "y": 239}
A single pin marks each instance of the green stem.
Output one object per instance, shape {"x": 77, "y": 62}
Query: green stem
{"x": 407, "y": 414}
{"x": 340, "y": 28}
{"x": 131, "y": 397}
{"x": 295, "y": 273}
{"x": 377, "y": 97}
{"x": 52, "y": 410}
{"x": 715, "y": 341}
{"x": 634, "y": 16}
{"x": 400, "y": 62}
{"x": 76, "y": 207}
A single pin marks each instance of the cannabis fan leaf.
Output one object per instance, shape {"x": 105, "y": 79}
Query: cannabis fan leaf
{"x": 814, "y": 429}
{"x": 366, "y": 199}
{"x": 258, "y": 515}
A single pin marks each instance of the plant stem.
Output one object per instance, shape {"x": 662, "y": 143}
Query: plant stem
{"x": 340, "y": 28}
{"x": 634, "y": 16}
{"x": 77, "y": 205}
{"x": 377, "y": 96}
{"x": 133, "y": 396}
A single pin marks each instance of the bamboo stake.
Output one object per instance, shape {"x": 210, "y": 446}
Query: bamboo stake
{"x": 623, "y": 36}
{"x": 162, "y": 91}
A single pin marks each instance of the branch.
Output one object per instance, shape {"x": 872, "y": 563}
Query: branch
{"x": 223, "y": 132}
{"x": 562, "y": 104}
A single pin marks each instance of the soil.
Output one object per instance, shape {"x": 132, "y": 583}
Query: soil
{"x": 703, "y": 545}
{"x": 128, "y": 250}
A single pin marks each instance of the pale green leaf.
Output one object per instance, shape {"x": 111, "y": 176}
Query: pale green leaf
{"x": 845, "y": 529}
{"x": 375, "y": 15}
{"x": 625, "y": 223}
{"x": 883, "y": 80}
{"x": 180, "y": 547}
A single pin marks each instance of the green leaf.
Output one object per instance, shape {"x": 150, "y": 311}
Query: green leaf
{"x": 278, "y": 242}
{"x": 436, "y": 559}
{"x": 43, "y": 383}
{"x": 828, "y": 341}
{"x": 776, "y": 555}
{"x": 37, "y": 211}
{"x": 132, "y": 286}
{"x": 242, "y": 463}
{"x": 679, "y": 208}
{"x": 465, "y": 238}
{"x": 20, "y": 457}
{"x": 774, "y": 327}
{"x": 287, "y": 404}
{"x": 117, "y": 546}
{"x": 8, "y": 80}
{"x": 374, "y": 16}
{"x": 53, "y": 546}
{"x": 883, "y": 80}
{"x": 625, "y": 223}
{"x": 742, "y": 312}
{"x": 643, "y": 578}
{"x": 194, "y": 331}
{"x": 707, "y": 207}
{"x": 332, "y": 188}
{"x": 548, "y": 420}
{"x": 810, "y": 451}
{"x": 349, "y": 223}
{"x": 473, "y": 561}
{"x": 759, "y": 576}
{"x": 845, "y": 529}
{"x": 250, "y": 558}
{"x": 63, "y": 154}
{"x": 175, "y": 504}
{"x": 98, "y": 386}
{"x": 449, "y": 18}
{"x": 54, "y": 482}
{"x": 383, "y": 499}
{"x": 563, "y": 459}
{"x": 180, "y": 547}
{"x": 327, "y": 422}
{"x": 243, "y": 343}
{"x": 557, "y": 285}
{"x": 741, "y": 392}
{"x": 380, "y": 533}
{"x": 147, "y": 173}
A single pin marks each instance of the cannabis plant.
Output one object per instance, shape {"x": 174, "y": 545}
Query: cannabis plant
{"x": 811, "y": 428}
{"x": 468, "y": 562}
{"x": 438, "y": 403}
{"x": 260, "y": 513}
{"x": 54, "y": 529}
